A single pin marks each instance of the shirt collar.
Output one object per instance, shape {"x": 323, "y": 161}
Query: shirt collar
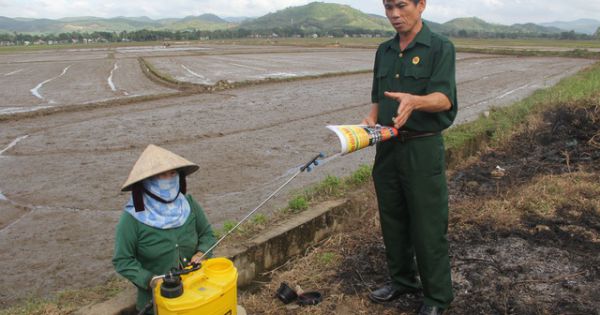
{"x": 423, "y": 37}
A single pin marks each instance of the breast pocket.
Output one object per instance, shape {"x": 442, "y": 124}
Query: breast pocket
{"x": 415, "y": 79}
{"x": 382, "y": 81}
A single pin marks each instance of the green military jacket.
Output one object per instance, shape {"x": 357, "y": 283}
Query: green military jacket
{"x": 142, "y": 251}
{"x": 427, "y": 65}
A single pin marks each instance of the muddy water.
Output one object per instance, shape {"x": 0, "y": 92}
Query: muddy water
{"x": 67, "y": 173}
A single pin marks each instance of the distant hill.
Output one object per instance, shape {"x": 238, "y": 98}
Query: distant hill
{"x": 208, "y": 22}
{"x": 331, "y": 18}
{"x": 319, "y": 16}
{"x": 29, "y": 26}
{"x": 474, "y": 24}
{"x": 238, "y": 19}
{"x": 585, "y": 26}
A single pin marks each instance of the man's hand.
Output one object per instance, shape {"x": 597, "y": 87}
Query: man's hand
{"x": 371, "y": 118}
{"x": 407, "y": 103}
{"x": 369, "y": 121}
{"x": 196, "y": 258}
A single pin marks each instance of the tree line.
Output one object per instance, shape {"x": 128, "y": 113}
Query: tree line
{"x": 571, "y": 35}
{"x": 289, "y": 31}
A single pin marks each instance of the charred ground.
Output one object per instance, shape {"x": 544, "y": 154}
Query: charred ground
{"x": 524, "y": 237}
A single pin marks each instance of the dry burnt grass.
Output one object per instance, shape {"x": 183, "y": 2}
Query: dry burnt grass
{"x": 527, "y": 242}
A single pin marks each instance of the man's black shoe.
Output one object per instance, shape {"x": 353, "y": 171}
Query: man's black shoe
{"x": 430, "y": 310}
{"x": 388, "y": 293}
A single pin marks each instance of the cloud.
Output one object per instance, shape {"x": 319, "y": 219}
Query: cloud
{"x": 514, "y": 11}
{"x": 497, "y": 11}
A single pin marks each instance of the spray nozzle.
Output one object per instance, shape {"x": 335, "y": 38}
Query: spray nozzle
{"x": 313, "y": 162}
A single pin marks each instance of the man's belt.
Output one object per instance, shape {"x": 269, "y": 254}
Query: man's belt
{"x": 405, "y": 135}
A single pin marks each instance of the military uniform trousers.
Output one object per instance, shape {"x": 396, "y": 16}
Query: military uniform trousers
{"x": 412, "y": 194}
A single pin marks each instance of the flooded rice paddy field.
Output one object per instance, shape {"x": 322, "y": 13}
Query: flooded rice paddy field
{"x": 60, "y": 173}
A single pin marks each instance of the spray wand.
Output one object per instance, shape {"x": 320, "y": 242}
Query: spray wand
{"x": 306, "y": 167}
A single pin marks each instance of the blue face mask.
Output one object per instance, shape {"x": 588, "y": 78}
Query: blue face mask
{"x": 171, "y": 214}
{"x": 166, "y": 189}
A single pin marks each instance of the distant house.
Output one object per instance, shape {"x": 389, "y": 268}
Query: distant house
{"x": 37, "y": 42}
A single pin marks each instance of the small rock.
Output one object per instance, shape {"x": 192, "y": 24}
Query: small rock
{"x": 572, "y": 143}
{"x": 292, "y": 306}
{"x": 569, "y": 284}
{"x": 498, "y": 172}
{"x": 541, "y": 228}
{"x": 472, "y": 185}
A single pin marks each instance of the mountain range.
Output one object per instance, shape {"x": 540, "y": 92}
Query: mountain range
{"x": 208, "y": 22}
{"x": 316, "y": 16}
{"x": 585, "y": 26}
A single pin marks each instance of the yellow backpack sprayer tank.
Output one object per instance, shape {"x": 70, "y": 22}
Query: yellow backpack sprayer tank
{"x": 207, "y": 289}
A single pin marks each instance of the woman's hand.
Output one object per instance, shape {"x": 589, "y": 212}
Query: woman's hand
{"x": 196, "y": 258}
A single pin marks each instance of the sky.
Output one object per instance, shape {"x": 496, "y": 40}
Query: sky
{"x": 495, "y": 11}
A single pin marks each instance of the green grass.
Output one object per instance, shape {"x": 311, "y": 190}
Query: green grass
{"x": 298, "y": 204}
{"x": 502, "y": 121}
{"x": 259, "y": 219}
{"x": 360, "y": 176}
{"x": 327, "y": 258}
{"x": 330, "y": 186}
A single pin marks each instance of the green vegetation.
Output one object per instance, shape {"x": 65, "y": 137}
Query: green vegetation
{"x": 228, "y": 226}
{"x": 327, "y": 258}
{"x": 298, "y": 204}
{"x": 330, "y": 185}
{"x": 360, "y": 176}
{"x": 259, "y": 219}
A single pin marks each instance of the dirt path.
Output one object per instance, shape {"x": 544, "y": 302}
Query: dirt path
{"x": 70, "y": 166}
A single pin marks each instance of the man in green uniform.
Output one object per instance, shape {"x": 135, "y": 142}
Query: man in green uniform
{"x": 414, "y": 90}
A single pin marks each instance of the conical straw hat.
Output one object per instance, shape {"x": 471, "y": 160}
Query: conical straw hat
{"x": 155, "y": 160}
